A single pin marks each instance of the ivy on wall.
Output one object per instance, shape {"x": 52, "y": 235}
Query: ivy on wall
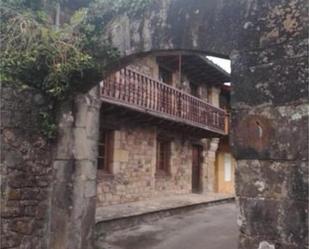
{"x": 57, "y": 59}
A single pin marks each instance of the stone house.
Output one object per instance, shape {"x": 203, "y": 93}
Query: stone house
{"x": 161, "y": 124}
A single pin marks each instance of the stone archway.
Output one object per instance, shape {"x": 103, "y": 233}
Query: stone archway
{"x": 266, "y": 41}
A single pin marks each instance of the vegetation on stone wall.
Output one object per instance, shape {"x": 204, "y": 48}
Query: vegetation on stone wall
{"x": 57, "y": 59}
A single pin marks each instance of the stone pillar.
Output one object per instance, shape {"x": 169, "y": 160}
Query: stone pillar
{"x": 270, "y": 125}
{"x": 209, "y": 166}
{"x": 74, "y": 186}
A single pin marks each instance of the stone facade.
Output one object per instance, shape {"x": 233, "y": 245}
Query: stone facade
{"x": 132, "y": 167}
{"x": 180, "y": 177}
{"x": 133, "y": 176}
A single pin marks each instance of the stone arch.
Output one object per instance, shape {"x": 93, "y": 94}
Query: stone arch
{"x": 266, "y": 41}
{"x": 211, "y": 27}
{"x": 243, "y": 31}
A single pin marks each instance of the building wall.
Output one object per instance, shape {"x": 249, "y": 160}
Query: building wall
{"x": 133, "y": 175}
{"x": 132, "y": 167}
{"x": 179, "y": 180}
{"x": 223, "y": 185}
{"x": 146, "y": 65}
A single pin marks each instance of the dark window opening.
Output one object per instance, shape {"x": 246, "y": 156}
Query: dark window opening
{"x": 105, "y": 150}
{"x": 163, "y": 156}
{"x": 165, "y": 76}
{"x": 194, "y": 90}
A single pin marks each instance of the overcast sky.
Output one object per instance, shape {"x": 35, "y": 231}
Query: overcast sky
{"x": 224, "y": 63}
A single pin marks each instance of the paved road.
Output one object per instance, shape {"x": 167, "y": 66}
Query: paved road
{"x": 208, "y": 228}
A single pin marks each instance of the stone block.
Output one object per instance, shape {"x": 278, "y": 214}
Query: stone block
{"x": 270, "y": 133}
{"x": 279, "y": 21}
{"x": 84, "y": 148}
{"x": 298, "y": 181}
{"x": 121, "y": 155}
{"x": 284, "y": 221}
{"x": 244, "y": 60}
{"x": 14, "y": 194}
{"x": 278, "y": 82}
{"x": 246, "y": 242}
{"x": 23, "y": 226}
{"x": 90, "y": 189}
{"x": 86, "y": 169}
{"x": 260, "y": 217}
{"x": 294, "y": 222}
{"x": 11, "y": 211}
{"x": 272, "y": 179}
{"x": 64, "y": 148}
{"x": 10, "y": 240}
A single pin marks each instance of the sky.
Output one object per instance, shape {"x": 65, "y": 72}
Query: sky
{"x": 224, "y": 63}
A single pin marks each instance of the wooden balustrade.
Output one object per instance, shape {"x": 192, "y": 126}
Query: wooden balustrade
{"x": 133, "y": 89}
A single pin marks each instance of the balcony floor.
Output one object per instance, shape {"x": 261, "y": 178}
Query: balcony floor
{"x": 112, "y": 110}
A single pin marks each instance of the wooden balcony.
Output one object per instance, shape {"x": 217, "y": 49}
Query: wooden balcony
{"x": 134, "y": 90}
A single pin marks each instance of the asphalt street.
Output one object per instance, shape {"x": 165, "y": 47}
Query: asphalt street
{"x": 208, "y": 228}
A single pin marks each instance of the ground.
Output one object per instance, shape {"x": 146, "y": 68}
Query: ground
{"x": 206, "y": 228}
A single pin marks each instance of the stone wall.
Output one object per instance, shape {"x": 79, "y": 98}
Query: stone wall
{"x": 133, "y": 175}
{"x": 270, "y": 126}
{"x": 132, "y": 166}
{"x": 25, "y": 171}
{"x": 179, "y": 181}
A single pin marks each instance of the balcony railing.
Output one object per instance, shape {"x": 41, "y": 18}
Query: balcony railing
{"x": 135, "y": 90}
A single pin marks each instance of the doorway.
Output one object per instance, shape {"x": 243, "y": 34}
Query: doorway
{"x": 196, "y": 167}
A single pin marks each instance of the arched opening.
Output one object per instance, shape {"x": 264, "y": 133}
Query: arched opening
{"x": 49, "y": 193}
{"x": 259, "y": 57}
{"x": 161, "y": 121}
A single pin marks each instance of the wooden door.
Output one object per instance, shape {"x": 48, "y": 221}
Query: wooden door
{"x": 196, "y": 165}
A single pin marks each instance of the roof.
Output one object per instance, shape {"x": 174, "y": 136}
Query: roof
{"x": 198, "y": 68}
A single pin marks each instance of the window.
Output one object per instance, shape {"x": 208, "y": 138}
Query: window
{"x": 166, "y": 76}
{"x": 105, "y": 150}
{"x": 209, "y": 95}
{"x": 163, "y": 156}
{"x": 194, "y": 90}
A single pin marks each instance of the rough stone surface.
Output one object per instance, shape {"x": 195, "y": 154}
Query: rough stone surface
{"x": 25, "y": 171}
{"x": 133, "y": 175}
{"x": 279, "y": 132}
{"x": 74, "y": 186}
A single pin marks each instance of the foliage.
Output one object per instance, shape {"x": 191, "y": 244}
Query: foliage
{"x": 36, "y": 54}
{"x": 56, "y": 60}
{"x": 47, "y": 125}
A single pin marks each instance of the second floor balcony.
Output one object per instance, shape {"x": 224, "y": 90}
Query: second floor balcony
{"x": 131, "y": 89}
